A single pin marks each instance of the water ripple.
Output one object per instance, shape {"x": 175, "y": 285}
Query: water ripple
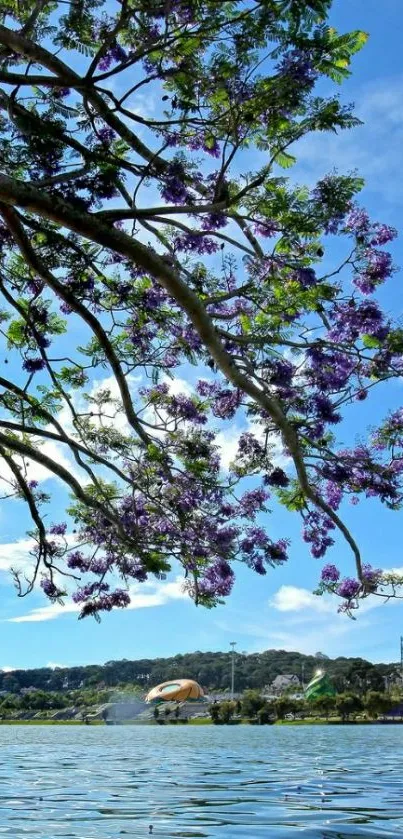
{"x": 227, "y": 783}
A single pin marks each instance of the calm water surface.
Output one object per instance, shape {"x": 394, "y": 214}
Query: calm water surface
{"x": 279, "y": 783}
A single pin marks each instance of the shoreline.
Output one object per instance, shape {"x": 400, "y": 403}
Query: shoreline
{"x": 200, "y": 722}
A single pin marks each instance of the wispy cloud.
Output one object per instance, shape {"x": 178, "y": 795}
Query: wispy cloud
{"x": 373, "y": 149}
{"x": 16, "y": 555}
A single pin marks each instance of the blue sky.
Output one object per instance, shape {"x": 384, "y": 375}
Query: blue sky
{"x": 278, "y": 611}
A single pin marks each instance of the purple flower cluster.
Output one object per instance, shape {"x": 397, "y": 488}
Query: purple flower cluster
{"x": 206, "y": 144}
{"x": 33, "y": 365}
{"x": 348, "y": 588}
{"x": 277, "y": 478}
{"x": 253, "y": 502}
{"x": 217, "y": 580}
{"x": 377, "y": 269}
{"x": 174, "y": 190}
{"x": 330, "y": 574}
{"x": 298, "y": 67}
{"x": 105, "y": 603}
{"x": 58, "y": 529}
{"x": 195, "y": 243}
{"x": 324, "y": 409}
{"x": 76, "y": 561}
{"x": 50, "y": 589}
{"x": 306, "y": 277}
{"x": 214, "y": 221}
{"x": 329, "y": 371}
{"x": 106, "y": 134}
{"x": 316, "y": 532}
{"x": 224, "y": 401}
{"x": 115, "y": 55}
{"x": 350, "y": 321}
{"x": 184, "y": 407}
{"x": 265, "y": 228}
{"x": 371, "y": 577}
{"x": 333, "y": 495}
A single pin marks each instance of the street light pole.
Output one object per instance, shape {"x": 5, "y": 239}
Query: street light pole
{"x": 232, "y": 645}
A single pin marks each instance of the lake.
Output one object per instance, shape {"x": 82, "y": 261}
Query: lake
{"x": 224, "y": 782}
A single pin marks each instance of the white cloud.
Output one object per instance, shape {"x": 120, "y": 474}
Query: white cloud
{"x": 178, "y": 385}
{"x": 36, "y": 471}
{"x": 293, "y": 599}
{"x": 143, "y": 596}
{"x": 227, "y": 442}
{"x": 7, "y": 669}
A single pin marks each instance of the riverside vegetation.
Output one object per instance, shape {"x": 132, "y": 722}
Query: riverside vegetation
{"x": 65, "y": 692}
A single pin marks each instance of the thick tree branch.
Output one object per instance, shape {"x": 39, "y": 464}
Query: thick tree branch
{"x": 32, "y": 259}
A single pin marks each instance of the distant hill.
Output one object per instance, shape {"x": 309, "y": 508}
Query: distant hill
{"x": 212, "y": 670}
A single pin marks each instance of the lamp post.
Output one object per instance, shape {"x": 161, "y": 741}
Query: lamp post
{"x": 232, "y": 645}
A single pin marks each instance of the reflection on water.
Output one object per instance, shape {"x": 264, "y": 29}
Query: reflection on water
{"x": 315, "y": 782}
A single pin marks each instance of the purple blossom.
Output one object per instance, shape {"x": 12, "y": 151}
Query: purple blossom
{"x": 330, "y": 574}
{"x": 213, "y": 221}
{"x": 174, "y": 190}
{"x": 253, "y": 502}
{"x": 116, "y": 54}
{"x": 195, "y": 243}
{"x": 298, "y": 66}
{"x": 184, "y": 407}
{"x": 218, "y": 580}
{"x": 334, "y": 495}
{"x": 348, "y": 588}
{"x": 265, "y": 228}
{"x": 58, "y": 529}
{"x": 358, "y": 221}
{"x": 106, "y": 134}
{"x": 351, "y": 321}
{"x": 33, "y": 365}
{"x": 105, "y": 603}
{"x": 378, "y": 268}
{"x": 329, "y": 370}
{"x": 277, "y": 478}
{"x": 306, "y": 277}
{"x": 50, "y": 589}
{"x": 382, "y": 234}
{"x": 281, "y": 373}
{"x": 207, "y": 144}
{"x": 371, "y": 576}
{"x": 225, "y": 403}
{"x": 324, "y": 409}
{"x": 84, "y": 592}
{"x": 77, "y": 561}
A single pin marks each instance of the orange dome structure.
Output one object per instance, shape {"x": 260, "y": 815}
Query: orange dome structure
{"x": 180, "y": 690}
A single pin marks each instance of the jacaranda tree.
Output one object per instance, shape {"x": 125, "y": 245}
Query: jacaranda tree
{"x": 149, "y": 233}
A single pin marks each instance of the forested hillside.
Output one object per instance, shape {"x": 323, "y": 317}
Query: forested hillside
{"x": 212, "y": 670}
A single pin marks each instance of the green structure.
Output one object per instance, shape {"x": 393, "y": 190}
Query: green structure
{"x": 320, "y": 685}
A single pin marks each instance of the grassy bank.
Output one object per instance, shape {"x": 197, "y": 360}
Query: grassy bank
{"x": 48, "y": 722}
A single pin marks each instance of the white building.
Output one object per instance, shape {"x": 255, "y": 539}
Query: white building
{"x": 285, "y": 681}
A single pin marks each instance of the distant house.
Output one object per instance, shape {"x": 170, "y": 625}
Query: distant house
{"x": 285, "y": 681}
{"x": 393, "y": 679}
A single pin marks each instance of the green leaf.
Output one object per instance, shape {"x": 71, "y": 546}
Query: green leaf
{"x": 285, "y": 160}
